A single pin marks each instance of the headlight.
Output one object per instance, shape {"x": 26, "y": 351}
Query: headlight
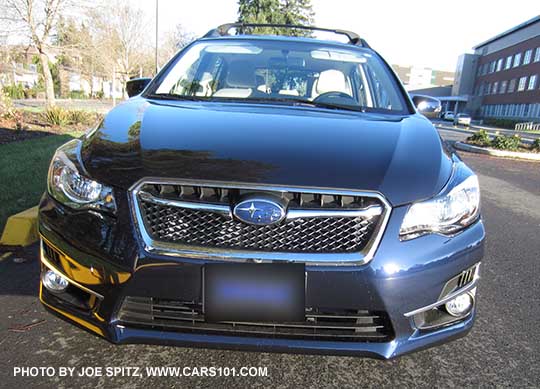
{"x": 447, "y": 213}
{"x": 69, "y": 186}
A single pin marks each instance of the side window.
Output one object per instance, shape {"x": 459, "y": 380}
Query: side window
{"x": 186, "y": 85}
{"x": 360, "y": 84}
{"x": 211, "y": 79}
{"x": 379, "y": 91}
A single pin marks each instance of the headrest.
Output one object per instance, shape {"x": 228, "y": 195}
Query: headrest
{"x": 332, "y": 80}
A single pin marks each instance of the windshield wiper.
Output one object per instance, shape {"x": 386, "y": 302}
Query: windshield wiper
{"x": 288, "y": 101}
{"x": 328, "y": 105}
{"x": 306, "y": 103}
{"x": 172, "y": 96}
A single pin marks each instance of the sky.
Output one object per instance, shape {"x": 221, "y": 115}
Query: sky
{"x": 416, "y": 32}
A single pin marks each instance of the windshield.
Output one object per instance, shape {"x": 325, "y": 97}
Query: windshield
{"x": 286, "y": 72}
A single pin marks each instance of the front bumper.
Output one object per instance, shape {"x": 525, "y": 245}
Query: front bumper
{"x": 104, "y": 257}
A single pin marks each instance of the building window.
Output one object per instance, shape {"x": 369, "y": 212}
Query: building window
{"x": 532, "y": 82}
{"x": 508, "y": 62}
{"x": 503, "y": 87}
{"x": 521, "y": 84}
{"x": 527, "y": 57}
{"x": 488, "y": 89}
{"x": 499, "y": 64}
{"x": 537, "y": 55}
{"x": 492, "y": 66}
{"x": 495, "y": 88}
{"x": 517, "y": 60}
{"x": 512, "y": 85}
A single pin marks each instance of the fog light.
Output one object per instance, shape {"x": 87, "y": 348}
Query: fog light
{"x": 460, "y": 306}
{"x": 54, "y": 282}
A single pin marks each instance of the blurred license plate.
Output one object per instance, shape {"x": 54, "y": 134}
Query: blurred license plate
{"x": 254, "y": 292}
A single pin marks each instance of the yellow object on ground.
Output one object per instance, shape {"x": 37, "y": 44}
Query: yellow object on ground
{"x": 21, "y": 229}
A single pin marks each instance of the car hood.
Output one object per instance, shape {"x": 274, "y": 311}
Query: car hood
{"x": 399, "y": 156}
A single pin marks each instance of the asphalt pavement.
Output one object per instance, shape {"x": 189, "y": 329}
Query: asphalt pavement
{"x": 502, "y": 349}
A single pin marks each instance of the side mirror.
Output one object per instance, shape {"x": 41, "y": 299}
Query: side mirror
{"x": 427, "y": 105}
{"x": 136, "y": 86}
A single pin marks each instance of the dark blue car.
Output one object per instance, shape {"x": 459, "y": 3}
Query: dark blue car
{"x": 264, "y": 192}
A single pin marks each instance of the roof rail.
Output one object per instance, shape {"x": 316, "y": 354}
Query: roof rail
{"x": 223, "y": 30}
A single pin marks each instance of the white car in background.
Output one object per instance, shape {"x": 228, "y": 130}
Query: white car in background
{"x": 447, "y": 115}
{"x": 463, "y": 119}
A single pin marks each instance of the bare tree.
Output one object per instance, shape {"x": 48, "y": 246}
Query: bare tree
{"x": 122, "y": 33}
{"x": 36, "y": 19}
{"x": 172, "y": 41}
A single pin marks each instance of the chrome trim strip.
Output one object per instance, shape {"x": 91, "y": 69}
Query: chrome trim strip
{"x": 471, "y": 285}
{"x": 475, "y": 275}
{"x": 315, "y": 259}
{"x": 371, "y": 211}
{"x": 216, "y": 208}
{"x": 50, "y": 266}
{"x": 224, "y": 210}
{"x": 453, "y": 319}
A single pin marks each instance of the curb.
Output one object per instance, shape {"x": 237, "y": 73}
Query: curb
{"x": 21, "y": 229}
{"x": 497, "y": 153}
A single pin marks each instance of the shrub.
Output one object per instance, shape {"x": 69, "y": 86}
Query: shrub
{"x": 503, "y": 123}
{"x": 536, "y": 145}
{"x": 81, "y": 117}
{"x": 480, "y": 138}
{"x": 77, "y": 94}
{"x": 6, "y": 106}
{"x": 504, "y": 142}
{"x": 56, "y": 116}
{"x": 15, "y": 91}
{"x": 8, "y": 112}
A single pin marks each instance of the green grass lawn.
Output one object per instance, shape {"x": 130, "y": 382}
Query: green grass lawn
{"x": 23, "y": 172}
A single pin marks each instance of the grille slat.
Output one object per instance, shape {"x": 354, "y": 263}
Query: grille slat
{"x": 340, "y": 325}
{"x": 174, "y": 222}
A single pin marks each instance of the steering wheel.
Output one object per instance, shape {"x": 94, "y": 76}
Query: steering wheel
{"x": 335, "y": 97}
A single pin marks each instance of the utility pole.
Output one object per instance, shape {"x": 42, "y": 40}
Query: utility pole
{"x": 157, "y": 20}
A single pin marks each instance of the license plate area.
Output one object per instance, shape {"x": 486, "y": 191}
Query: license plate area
{"x": 249, "y": 292}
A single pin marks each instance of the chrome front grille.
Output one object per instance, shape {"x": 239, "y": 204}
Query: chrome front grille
{"x": 208, "y": 229}
{"x": 196, "y": 219}
{"x": 320, "y": 323}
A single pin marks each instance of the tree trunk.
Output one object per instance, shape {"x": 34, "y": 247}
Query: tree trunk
{"x": 47, "y": 76}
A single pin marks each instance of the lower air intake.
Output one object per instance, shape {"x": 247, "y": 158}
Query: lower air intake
{"x": 320, "y": 324}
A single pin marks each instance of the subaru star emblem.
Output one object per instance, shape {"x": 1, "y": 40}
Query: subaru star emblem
{"x": 259, "y": 211}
